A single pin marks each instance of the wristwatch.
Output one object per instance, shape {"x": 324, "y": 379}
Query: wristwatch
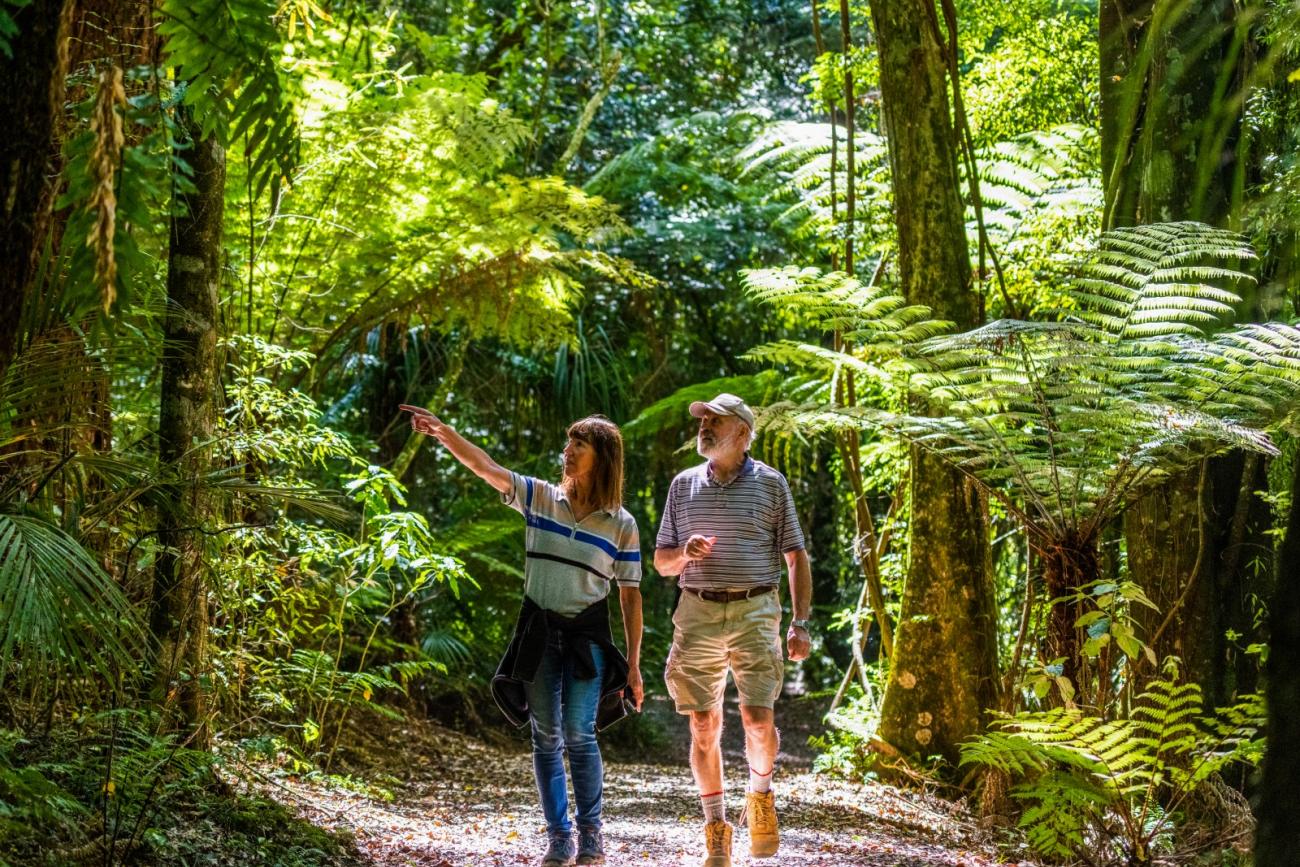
{"x": 802, "y": 624}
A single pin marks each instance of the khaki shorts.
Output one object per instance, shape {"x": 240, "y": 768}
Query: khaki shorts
{"x": 711, "y": 637}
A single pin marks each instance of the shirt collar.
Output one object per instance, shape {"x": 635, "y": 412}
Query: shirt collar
{"x": 562, "y": 494}
{"x": 745, "y": 469}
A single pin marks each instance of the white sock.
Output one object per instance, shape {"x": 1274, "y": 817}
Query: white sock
{"x": 760, "y": 783}
{"x": 715, "y": 807}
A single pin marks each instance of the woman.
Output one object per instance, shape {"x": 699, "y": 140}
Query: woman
{"x": 561, "y": 670}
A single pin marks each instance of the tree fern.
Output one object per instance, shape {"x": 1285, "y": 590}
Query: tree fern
{"x": 1064, "y": 422}
{"x": 795, "y": 158}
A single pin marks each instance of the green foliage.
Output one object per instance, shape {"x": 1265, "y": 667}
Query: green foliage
{"x": 1114, "y": 787}
{"x": 113, "y": 777}
{"x": 58, "y": 609}
{"x": 228, "y": 52}
{"x": 869, "y": 315}
{"x": 8, "y": 27}
{"x": 28, "y": 797}
{"x": 1042, "y": 211}
{"x": 844, "y": 750}
{"x": 1041, "y": 200}
{"x": 306, "y": 602}
{"x": 1162, "y": 279}
{"x": 797, "y": 158}
{"x": 1067, "y": 422}
{"x": 1028, "y": 66}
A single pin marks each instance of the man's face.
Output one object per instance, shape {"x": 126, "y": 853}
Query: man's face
{"x": 721, "y": 436}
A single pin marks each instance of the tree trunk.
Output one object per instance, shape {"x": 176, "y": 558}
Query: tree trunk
{"x": 944, "y": 669}
{"x": 1066, "y": 567}
{"x": 1174, "y": 148}
{"x": 1277, "y": 836}
{"x": 29, "y": 115}
{"x": 179, "y": 619}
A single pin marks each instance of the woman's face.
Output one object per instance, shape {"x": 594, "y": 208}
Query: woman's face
{"x": 579, "y": 459}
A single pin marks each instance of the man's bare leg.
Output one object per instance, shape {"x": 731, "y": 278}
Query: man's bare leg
{"x": 706, "y": 750}
{"x": 761, "y": 738}
{"x": 761, "y": 744}
{"x": 706, "y": 764}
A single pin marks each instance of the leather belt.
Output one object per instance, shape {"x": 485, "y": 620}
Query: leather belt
{"x": 730, "y": 595}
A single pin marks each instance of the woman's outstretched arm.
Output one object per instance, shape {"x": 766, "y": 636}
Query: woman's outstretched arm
{"x": 474, "y": 458}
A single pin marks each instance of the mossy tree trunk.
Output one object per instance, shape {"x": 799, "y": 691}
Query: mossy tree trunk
{"x": 1174, "y": 148}
{"x": 943, "y": 674}
{"x": 179, "y": 616}
{"x": 1277, "y": 809}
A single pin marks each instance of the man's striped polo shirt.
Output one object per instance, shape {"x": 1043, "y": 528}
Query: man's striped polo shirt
{"x": 752, "y": 517}
{"x": 570, "y": 563}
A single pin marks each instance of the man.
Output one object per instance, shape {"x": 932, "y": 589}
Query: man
{"x": 727, "y": 526}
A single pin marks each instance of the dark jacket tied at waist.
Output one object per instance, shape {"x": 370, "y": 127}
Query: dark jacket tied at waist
{"x": 523, "y": 655}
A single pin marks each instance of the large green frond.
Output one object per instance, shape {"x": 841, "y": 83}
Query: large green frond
{"x": 229, "y": 53}
{"x": 58, "y": 608}
{"x": 1162, "y": 279}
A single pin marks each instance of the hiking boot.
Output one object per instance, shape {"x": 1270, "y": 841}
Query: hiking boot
{"x": 562, "y": 850}
{"x": 591, "y": 846}
{"x": 717, "y": 844}
{"x": 760, "y": 816}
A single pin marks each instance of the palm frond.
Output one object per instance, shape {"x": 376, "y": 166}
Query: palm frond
{"x": 228, "y": 51}
{"x": 58, "y": 608}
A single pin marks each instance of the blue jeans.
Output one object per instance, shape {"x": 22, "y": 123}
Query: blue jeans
{"x": 563, "y": 710}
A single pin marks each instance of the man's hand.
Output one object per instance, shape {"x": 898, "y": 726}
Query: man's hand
{"x": 634, "y": 681}
{"x": 698, "y": 547}
{"x": 798, "y": 643}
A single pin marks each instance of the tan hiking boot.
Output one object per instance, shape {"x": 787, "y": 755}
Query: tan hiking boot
{"x": 717, "y": 844}
{"x": 760, "y": 816}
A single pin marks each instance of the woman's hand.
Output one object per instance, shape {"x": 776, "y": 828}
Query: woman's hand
{"x": 634, "y": 681}
{"x": 423, "y": 421}
{"x": 473, "y": 457}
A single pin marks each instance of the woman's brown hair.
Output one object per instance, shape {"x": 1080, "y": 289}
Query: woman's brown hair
{"x": 606, "y": 442}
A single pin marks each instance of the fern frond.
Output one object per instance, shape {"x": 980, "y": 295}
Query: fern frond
{"x": 1161, "y": 279}
{"x": 671, "y": 412}
{"x": 835, "y": 301}
{"x": 1033, "y": 175}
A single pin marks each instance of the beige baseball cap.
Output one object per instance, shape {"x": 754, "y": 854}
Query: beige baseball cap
{"x": 725, "y": 404}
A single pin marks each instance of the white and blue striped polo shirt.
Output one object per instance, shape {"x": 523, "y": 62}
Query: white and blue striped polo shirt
{"x": 752, "y": 516}
{"x": 570, "y": 563}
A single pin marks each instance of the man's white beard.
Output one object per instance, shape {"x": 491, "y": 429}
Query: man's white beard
{"x": 720, "y": 446}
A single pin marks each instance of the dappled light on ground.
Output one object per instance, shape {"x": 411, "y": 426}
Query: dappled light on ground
{"x": 457, "y": 802}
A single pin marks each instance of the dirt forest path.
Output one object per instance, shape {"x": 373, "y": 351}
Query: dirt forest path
{"x": 462, "y": 802}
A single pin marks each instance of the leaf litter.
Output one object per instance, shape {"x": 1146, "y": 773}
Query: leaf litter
{"x": 415, "y": 794}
